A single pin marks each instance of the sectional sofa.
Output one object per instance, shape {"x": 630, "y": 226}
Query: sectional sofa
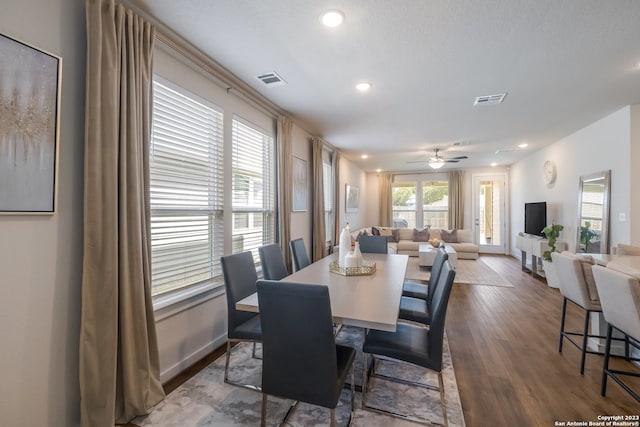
{"x": 407, "y": 240}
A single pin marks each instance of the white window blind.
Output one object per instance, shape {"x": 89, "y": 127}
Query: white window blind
{"x": 327, "y": 183}
{"x": 253, "y": 198}
{"x": 186, "y": 186}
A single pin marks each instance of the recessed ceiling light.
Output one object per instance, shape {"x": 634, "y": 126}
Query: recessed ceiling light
{"x": 332, "y": 18}
{"x": 363, "y": 86}
{"x": 378, "y": 170}
{"x": 365, "y": 156}
{"x": 523, "y": 145}
{"x": 494, "y": 164}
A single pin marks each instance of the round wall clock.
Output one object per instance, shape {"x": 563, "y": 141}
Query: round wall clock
{"x": 549, "y": 172}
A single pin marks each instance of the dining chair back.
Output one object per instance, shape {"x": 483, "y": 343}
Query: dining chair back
{"x": 415, "y": 304}
{"x": 299, "y": 254}
{"x": 301, "y": 360}
{"x": 373, "y": 244}
{"x": 272, "y": 261}
{"x": 240, "y": 278}
{"x": 413, "y": 344}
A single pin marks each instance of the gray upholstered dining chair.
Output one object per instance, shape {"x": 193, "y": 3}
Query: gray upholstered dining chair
{"x": 299, "y": 254}
{"x": 421, "y": 291}
{"x": 373, "y": 244}
{"x": 301, "y": 360}
{"x": 413, "y": 344}
{"x": 620, "y": 300}
{"x": 239, "y": 282}
{"x": 577, "y": 285}
{"x": 418, "y": 310}
{"x": 272, "y": 261}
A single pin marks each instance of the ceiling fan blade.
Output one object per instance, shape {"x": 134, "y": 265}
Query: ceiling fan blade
{"x": 418, "y": 161}
{"x": 458, "y": 157}
{"x": 451, "y": 161}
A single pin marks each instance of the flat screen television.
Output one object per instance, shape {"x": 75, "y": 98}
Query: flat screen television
{"x": 535, "y": 218}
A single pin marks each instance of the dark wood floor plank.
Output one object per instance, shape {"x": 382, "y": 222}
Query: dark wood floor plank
{"x": 504, "y": 345}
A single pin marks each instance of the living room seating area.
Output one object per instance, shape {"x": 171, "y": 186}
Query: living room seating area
{"x": 407, "y": 241}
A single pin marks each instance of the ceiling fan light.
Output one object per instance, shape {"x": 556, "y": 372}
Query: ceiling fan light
{"x": 436, "y": 164}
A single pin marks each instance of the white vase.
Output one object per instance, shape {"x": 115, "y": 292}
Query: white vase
{"x": 357, "y": 254}
{"x": 550, "y": 274}
{"x": 345, "y": 245}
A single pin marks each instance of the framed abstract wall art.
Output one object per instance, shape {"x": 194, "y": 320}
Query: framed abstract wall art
{"x": 352, "y": 195}
{"x": 30, "y": 81}
{"x": 299, "y": 185}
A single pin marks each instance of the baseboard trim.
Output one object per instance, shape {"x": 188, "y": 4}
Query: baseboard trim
{"x": 192, "y": 358}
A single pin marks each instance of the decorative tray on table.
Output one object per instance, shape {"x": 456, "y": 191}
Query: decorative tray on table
{"x": 368, "y": 268}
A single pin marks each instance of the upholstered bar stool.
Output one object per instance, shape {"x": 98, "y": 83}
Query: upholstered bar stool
{"x": 620, "y": 299}
{"x": 578, "y": 286}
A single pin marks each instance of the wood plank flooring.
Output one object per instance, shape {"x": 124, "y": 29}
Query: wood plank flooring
{"x": 504, "y": 344}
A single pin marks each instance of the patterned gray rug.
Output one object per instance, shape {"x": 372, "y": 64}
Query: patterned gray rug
{"x": 468, "y": 272}
{"x": 205, "y": 400}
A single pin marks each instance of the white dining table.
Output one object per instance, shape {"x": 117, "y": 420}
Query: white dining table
{"x": 628, "y": 264}
{"x": 371, "y": 301}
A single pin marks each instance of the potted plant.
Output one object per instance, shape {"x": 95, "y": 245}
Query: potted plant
{"x": 586, "y": 235}
{"x": 551, "y": 232}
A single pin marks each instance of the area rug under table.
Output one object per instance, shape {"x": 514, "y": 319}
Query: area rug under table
{"x": 468, "y": 272}
{"x": 205, "y": 400}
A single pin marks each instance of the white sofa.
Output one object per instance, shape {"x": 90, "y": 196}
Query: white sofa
{"x": 465, "y": 247}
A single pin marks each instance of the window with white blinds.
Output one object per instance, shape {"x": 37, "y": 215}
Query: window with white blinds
{"x": 253, "y": 182}
{"x": 186, "y": 186}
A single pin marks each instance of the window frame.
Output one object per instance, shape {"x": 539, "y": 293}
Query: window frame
{"x": 185, "y": 295}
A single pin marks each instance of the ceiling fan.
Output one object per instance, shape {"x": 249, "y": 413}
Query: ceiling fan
{"x": 437, "y": 161}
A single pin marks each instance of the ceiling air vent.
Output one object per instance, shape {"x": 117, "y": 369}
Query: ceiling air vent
{"x": 490, "y": 99}
{"x": 507, "y": 150}
{"x": 271, "y": 79}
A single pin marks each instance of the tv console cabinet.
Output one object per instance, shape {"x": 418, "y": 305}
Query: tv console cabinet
{"x": 536, "y": 246}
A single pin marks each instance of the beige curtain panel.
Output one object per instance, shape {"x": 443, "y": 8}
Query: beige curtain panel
{"x": 385, "y": 200}
{"x": 285, "y": 176}
{"x": 456, "y": 199}
{"x": 318, "y": 237}
{"x": 337, "y": 227}
{"x": 119, "y": 367}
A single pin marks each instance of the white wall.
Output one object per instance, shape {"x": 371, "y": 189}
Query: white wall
{"x": 41, "y": 256}
{"x": 634, "y": 162}
{"x": 600, "y": 146}
{"x": 350, "y": 173}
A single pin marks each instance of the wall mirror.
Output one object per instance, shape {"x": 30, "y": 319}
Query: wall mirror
{"x": 593, "y": 213}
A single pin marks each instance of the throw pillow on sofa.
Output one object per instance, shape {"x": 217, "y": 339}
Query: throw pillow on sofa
{"x": 450, "y": 236}
{"x": 421, "y": 235}
{"x": 392, "y": 234}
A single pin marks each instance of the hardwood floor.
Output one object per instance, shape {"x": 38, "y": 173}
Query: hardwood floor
{"x": 504, "y": 345}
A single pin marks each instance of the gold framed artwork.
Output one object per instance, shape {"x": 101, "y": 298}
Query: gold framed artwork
{"x": 299, "y": 185}
{"x": 30, "y": 81}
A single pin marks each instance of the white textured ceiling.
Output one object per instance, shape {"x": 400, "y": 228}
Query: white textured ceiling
{"x": 563, "y": 63}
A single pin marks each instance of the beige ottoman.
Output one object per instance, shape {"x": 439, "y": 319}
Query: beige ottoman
{"x": 427, "y": 254}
